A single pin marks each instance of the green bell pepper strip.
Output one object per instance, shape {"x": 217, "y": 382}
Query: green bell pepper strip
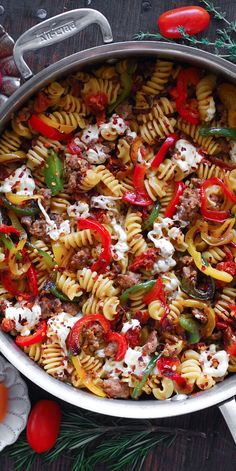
{"x": 53, "y": 173}
{"x": 146, "y": 285}
{"x": 9, "y": 244}
{"x": 126, "y": 82}
{"x": 148, "y": 370}
{"x": 190, "y": 325}
{"x": 58, "y": 294}
{"x": 152, "y": 217}
{"x": 46, "y": 257}
{"x": 197, "y": 293}
{"x": 29, "y": 210}
{"x": 16, "y": 223}
{"x": 226, "y": 132}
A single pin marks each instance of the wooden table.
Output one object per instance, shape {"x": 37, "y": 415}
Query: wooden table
{"x": 127, "y": 17}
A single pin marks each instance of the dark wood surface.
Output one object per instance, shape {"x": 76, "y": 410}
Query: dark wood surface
{"x": 216, "y": 451}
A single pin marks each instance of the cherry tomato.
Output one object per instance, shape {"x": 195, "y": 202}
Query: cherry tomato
{"x": 3, "y": 401}
{"x": 43, "y": 425}
{"x": 193, "y": 19}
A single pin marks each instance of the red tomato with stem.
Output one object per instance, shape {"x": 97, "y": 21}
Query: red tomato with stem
{"x": 193, "y": 19}
{"x": 43, "y": 425}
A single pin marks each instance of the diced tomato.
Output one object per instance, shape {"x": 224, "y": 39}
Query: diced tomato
{"x": 97, "y": 102}
{"x": 133, "y": 337}
{"x": 146, "y": 260}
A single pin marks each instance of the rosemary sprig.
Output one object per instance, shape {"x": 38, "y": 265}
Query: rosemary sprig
{"x": 87, "y": 439}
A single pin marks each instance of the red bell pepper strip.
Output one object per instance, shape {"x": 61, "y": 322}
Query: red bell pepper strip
{"x": 170, "y": 210}
{"x": 140, "y": 196}
{"x": 167, "y": 367}
{"x": 156, "y": 292}
{"x": 191, "y": 115}
{"x": 9, "y": 230}
{"x": 11, "y": 286}
{"x": 121, "y": 343}
{"x": 47, "y": 131}
{"x": 105, "y": 256}
{"x": 73, "y": 337}
{"x": 231, "y": 349}
{"x": 38, "y": 336}
{"x": 167, "y": 144}
{"x": 211, "y": 214}
{"x": 180, "y": 94}
{"x": 32, "y": 281}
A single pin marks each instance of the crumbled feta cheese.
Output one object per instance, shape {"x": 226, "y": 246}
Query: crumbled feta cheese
{"x": 134, "y": 362}
{"x": 21, "y": 181}
{"x": 91, "y": 133}
{"x": 214, "y": 363}
{"x": 131, "y": 134}
{"x": 104, "y": 202}
{"x": 163, "y": 265}
{"x": 166, "y": 249}
{"x": 171, "y": 283}
{"x": 121, "y": 247}
{"x": 79, "y": 209}
{"x": 158, "y": 227}
{"x": 25, "y": 318}
{"x": 186, "y": 158}
{"x": 115, "y": 124}
{"x": 55, "y": 232}
{"x": 232, "y": 151}
{"x": 96, "y": 155}
{"x": 130, "y": 325}
{"x": 60, "y": 327}
{"x": 211, "y": 110}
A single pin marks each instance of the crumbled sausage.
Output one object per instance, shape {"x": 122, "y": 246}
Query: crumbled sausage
{"x": 111, "y": 349}
{"x": 75, "y": 170}
{"x": 92, "y": 337}
{"x": 152, "y": 343}
{"x": 115, "y": 388}
{"x": 80, "y": 259}
{"x": 188, "y": 207}
{"x": 128, "y": 280}
{"x": 49, "y": 306}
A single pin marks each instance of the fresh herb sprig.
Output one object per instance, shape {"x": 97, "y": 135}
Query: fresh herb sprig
{"x": 88, "y": 439}
{"x": 224, "y": 45}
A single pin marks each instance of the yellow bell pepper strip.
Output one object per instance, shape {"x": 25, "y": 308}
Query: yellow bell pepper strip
{"x": 16, "y": 223}
{"x": 19, "y": 199}
{"x": 64, "y": 128}
{"x": 53, "y": 173}
{"x": 208, "y": 328}
{"x": 29, "y": 210}
{"x": 87, "y": 382}
{"x": 197, "y": 257}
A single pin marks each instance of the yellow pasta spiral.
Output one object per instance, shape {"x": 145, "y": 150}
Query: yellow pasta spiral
{"x": 36, "y": 258}
{"x": 38, "y": 154}
{"x": 110, "y": 307}
{"x": 34, "y": 352}
{"x": 190, "y": 367}
{"x": 109, "y": 87}
{"x": 68, "y": 285}
{"x": 21, "y": 129}
{"x": 159, "y": 78}
{"x": 60, "y": 203}
{"x": 214, "y": 255}
{"x": 72, "y": 104}
{"x": 155, "y": 188}
{"x": 78, "y": 239}
{"x": 9, "y": 142}
{"x": 205, "y": 382}
{"x": 204, "y": 90}
{"x": 133, "y": 228}
{"x": 109, "y": 180}
{"x": 206, "y": 171}
{"x": 92, "y": 305}
{"x": 106, "y": 72}
{"x": 208, "y": 143}
{"x": 156, "y": 310}
{"x": 90, "y": 180}
{"x": 74, "y": 119}
{"x": 227, "y": 296}
{"x": 157, "y": 128}
{"x": 123, "y": 151}
{"x": 163, "y": 107}
{"x": 98, "y": 285}
{"x": 176, "y": 307}
{"x": 52, "y": 359}
{"x": 166, "y": 170}
{"x": 54, "y": 91}
{"x": 89, "y": 363}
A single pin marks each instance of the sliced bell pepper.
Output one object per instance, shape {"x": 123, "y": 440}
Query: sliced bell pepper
{"x": 167, "y": 367}
{"x": 226, "y": 132}
{"x": 198, "y": 260}
{"x": 58, "y": 294}
{"x": 148, "y": 370}
{"x": 146, "y": 285}
{"x": 16, "y": 199}
{"x": 73, "y": 148}
{"x": 46, "y": 257}
{"x": 32, "y": 281}
{"x": 85, "y": 379}
{"x": 62, "y": 128}
{"x": 231, "y": 349}
{"x": 167, "y": 144}
{"x": 47, "y": 131}
{"x": 193, "y": 292}
{"x": 156, "y": 292}
{"x": 187, "y": 76}
{"x": 29, "y": 210}
{"x": 126, "y": 84}
{"x": 152, "y": 217}
{"x": 170, "y": 210}
{"x": 105, "y": 256}
{"x": 38, "y": 336}
{"x": 140, "y": 196}
{"x": 9, "y": 230}
{"x": 73, "y": 337}
{"x": 211, "y": 214}
{"x": 121, "y": 342}
{"x": 11, "y": 286}
{"x": 53, "y": 173}
{"x": 206, "y": 329}
{"x": 192, "y": 326}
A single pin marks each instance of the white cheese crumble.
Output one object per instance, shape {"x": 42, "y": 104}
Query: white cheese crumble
{"x": 60, "y": 327}
{"x": 91, "y": 133}
{"x": 25, "y": 319}
{"x": 211, "y": 110}
{"x": 232, "y": 151}
{"x": 104, "y": 202}
{"x": 214, "y": 363}
{"x": 134, "y": 362}
{"x": 116, "y": 124}
{"x": 130, "y": 325}
{"x": 79, "y": 209}
{"x": 121, "y": 247}
{"x": 96, "y": 155}
{"x": 186, "y": 157}
{"x": 163, "y": 265}
{"x": 20, "y": 180}
{"x": 52, "y": 230}
{"x": 159, "y": 237}
{"x": 171, "y": 284}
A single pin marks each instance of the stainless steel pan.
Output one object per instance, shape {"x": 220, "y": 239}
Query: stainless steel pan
{"x": 49, "y": 32}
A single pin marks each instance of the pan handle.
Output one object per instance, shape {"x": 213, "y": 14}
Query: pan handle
{"x": 228, "y": 410}
{"x": 56, "y": 29}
